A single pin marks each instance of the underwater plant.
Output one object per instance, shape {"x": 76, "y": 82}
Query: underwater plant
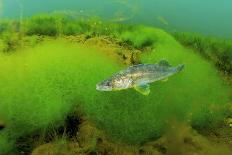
{"x": 140, "y": 37}
{"x": 42, "y": 25}
{"x": 215, "y": 49}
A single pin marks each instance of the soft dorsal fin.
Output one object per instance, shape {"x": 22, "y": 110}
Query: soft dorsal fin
{"x": 164, "y": 63}
{"x": 143, "y": 89}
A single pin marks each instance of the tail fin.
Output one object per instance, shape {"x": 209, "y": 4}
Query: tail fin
{"x": 179, "y": 68}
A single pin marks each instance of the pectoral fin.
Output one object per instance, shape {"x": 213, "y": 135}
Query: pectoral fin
{"x": 143, "y": 89}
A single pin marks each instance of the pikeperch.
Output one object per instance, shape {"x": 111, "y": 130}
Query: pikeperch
{"x": 139, "y": 77}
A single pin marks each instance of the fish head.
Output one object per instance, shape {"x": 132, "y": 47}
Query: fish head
{"x": 121, "y": 82}
{"x": 114, "y": 83}
{"x": 105, "y": 85}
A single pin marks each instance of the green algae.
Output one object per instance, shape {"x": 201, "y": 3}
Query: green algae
{"x": 217, "y": 50}
{"x": 6, "y": 144}
{"x": 139, "y": 37}
{"x": 40, "y": 86}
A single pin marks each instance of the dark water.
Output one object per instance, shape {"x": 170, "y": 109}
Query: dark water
{"x": 210, "y": 17}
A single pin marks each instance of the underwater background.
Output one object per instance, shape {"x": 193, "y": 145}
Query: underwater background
{"x": 208, "y": 17}
{"x": 53, "y": 53}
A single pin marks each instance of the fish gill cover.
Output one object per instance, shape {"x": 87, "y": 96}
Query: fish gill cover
{"x": 41, "y": 85}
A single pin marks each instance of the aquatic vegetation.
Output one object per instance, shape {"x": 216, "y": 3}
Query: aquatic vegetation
{"x": 10, "y": 42}
{"x": 43, "y": 25}
{"x": 58, "y": 24}
{"x": 140, "y": 37}
{"x": 2, "y": 46}
{"x": 10, "y": 37}
{"x": 5, "y": 144}
{"x": 36, "y": 94}
{"x": 215, "y": 49}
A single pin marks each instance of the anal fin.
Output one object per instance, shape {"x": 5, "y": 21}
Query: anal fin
{"x": 143, "y": 89}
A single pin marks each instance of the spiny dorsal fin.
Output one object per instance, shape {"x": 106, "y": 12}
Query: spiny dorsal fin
{"x": 164, "y": 63}
{"x": 143, "y": 89}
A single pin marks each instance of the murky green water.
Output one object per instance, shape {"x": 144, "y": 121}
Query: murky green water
{"x": 53, "y": 53}
{"x": 208, "y": 17}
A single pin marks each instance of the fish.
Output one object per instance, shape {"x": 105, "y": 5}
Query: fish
{"x": 139, "y": 77}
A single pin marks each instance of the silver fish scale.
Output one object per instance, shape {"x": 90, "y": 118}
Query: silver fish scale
{"x": 146, "y": 73}
{"x": 146, "y": 68}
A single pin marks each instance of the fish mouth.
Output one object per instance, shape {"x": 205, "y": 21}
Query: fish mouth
{"x": 97, "y": 87}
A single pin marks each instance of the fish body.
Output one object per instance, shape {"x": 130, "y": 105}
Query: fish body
{"x": 139, "y": 77}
